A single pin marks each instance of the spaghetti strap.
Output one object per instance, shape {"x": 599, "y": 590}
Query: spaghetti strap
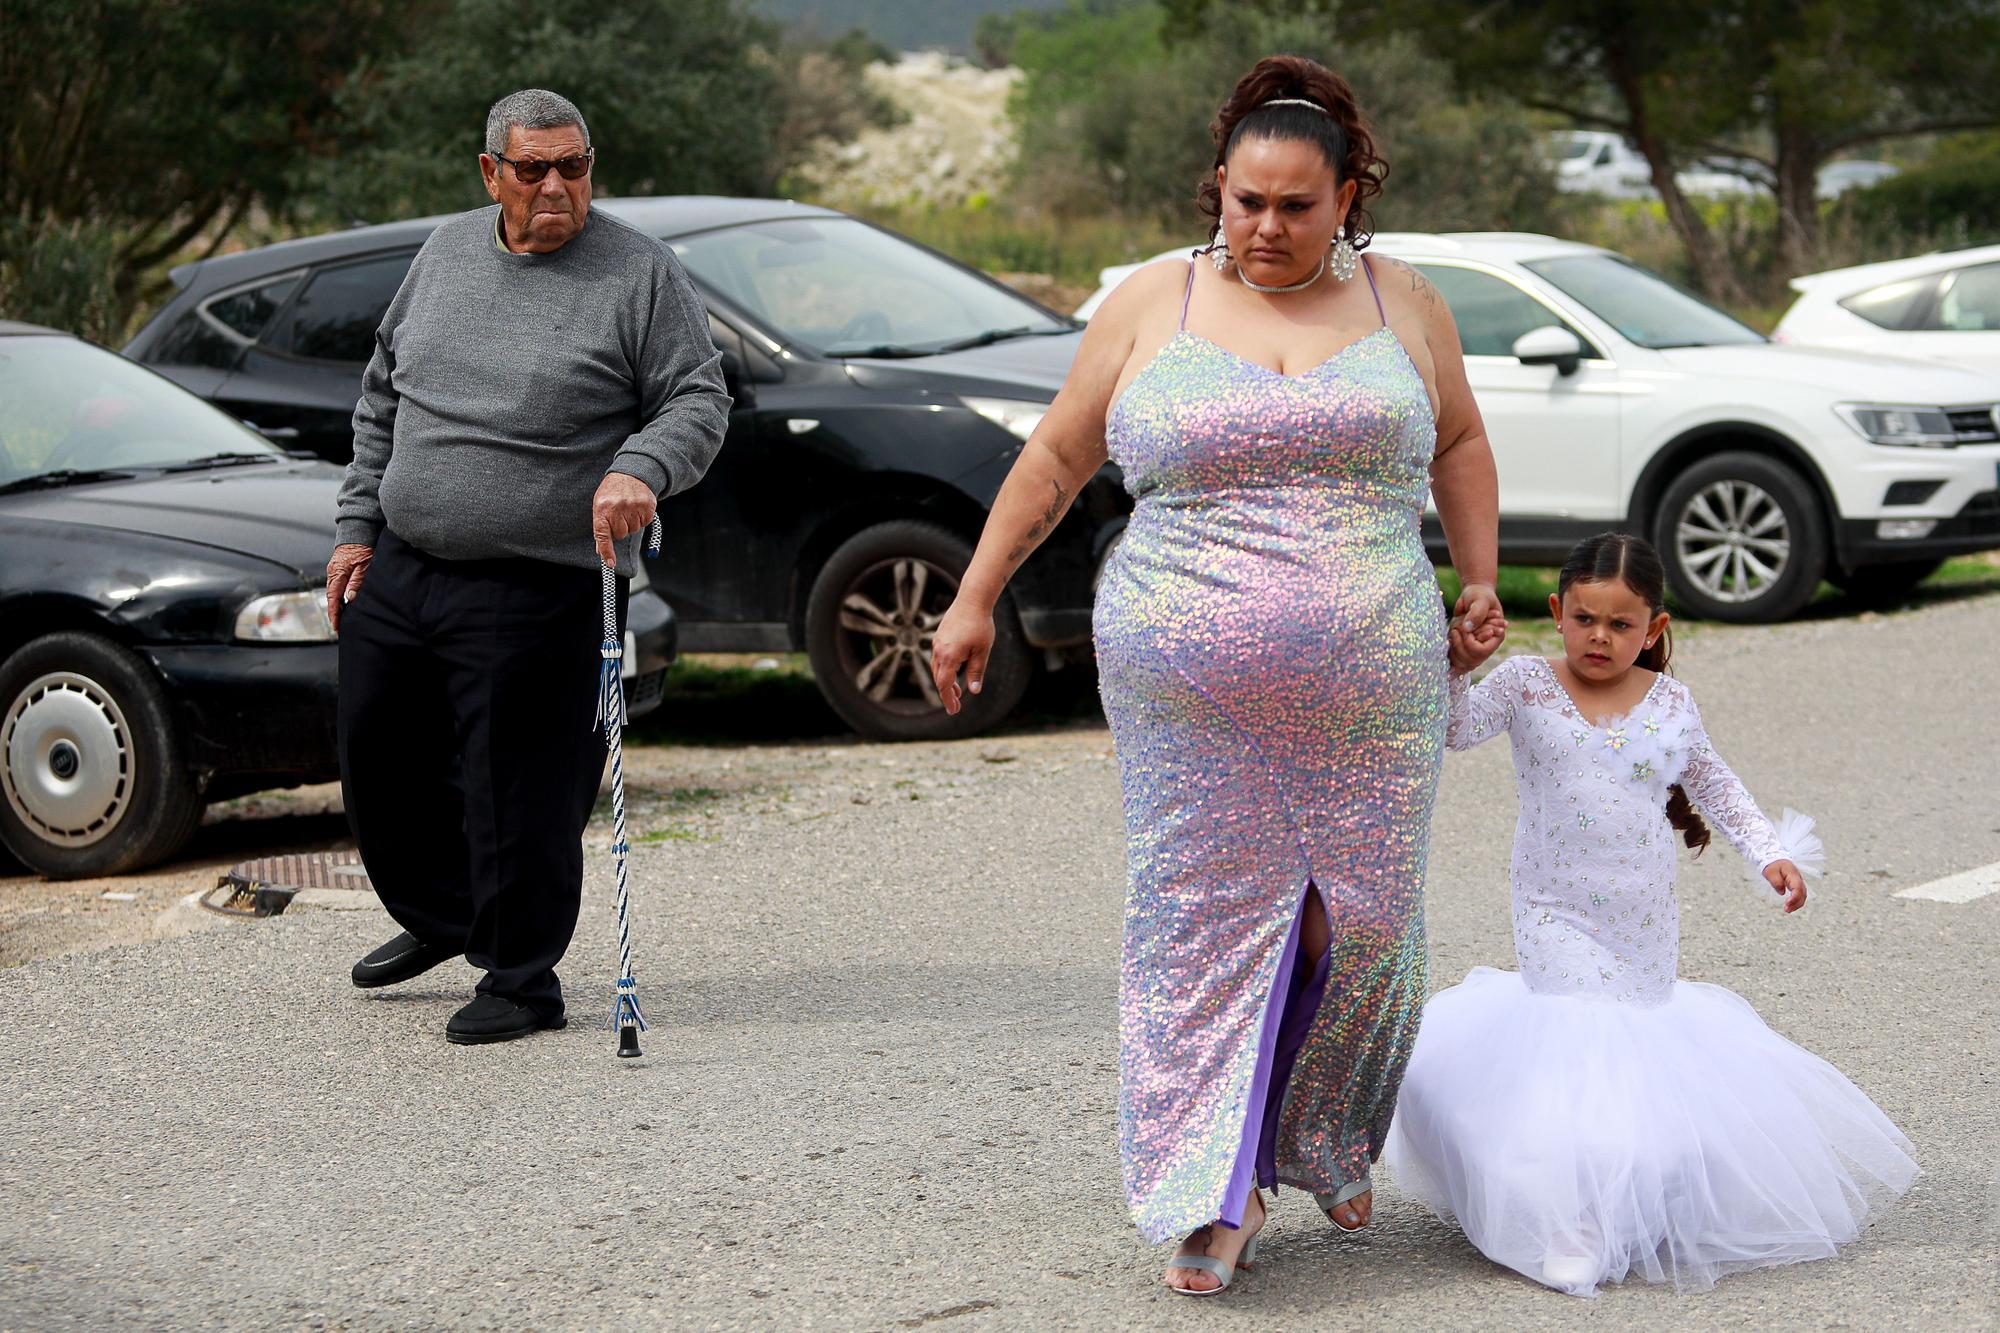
{"x": 1188, "y": 295}
{"x": 1366, "y": 266}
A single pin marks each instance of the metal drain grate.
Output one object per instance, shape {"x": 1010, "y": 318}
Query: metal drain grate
{"x": 265, "y": 887}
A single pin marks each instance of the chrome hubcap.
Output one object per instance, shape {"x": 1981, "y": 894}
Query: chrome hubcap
{"x": 68, "y": 759}
{"x": 887, "y": 622}
{"x": 1733, "y": 540}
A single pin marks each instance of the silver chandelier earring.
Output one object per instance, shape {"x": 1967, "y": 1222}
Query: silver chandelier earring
{"x": 1344, "y": 256}
{"x": 1219, "y": 252}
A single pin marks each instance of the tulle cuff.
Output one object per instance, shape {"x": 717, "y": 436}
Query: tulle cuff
{"x": 1798, "y": 844}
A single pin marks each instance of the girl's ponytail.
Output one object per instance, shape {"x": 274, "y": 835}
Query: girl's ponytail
{"x": 1681, "y": 814}
{"x": 1633, "y": 561}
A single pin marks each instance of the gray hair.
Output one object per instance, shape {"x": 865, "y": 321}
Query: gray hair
{"x": 531, "y": 109}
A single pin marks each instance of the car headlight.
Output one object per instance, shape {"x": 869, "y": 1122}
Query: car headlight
{"x": 1908, "y": 427}
{"x": 285, "y": 617}
{"x": 1012, "y": 415}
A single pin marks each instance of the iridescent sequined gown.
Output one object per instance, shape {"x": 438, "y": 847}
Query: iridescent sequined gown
{"x": 1270, "y": 645}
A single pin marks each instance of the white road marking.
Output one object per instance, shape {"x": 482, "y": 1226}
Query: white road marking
{"x": 1960, "y": 888}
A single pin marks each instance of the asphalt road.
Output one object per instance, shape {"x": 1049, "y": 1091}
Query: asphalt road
{"x": 880, "y": 1091}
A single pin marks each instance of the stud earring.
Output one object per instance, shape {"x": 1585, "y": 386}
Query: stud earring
{"x": 1344, "y": 255}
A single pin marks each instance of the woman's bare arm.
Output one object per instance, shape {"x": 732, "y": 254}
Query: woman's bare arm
{"x": 1464, "y": 484}
{"x": 1062, "y": 455}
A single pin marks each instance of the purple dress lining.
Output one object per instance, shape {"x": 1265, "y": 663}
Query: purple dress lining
{"x": 1288, "y": 1016}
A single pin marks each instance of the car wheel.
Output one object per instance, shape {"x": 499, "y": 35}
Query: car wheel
{"x": 1873, "y": 585}
{"x": 869, "y": 622}
{"x": 90, "y": 760}
{"x": 1742, "y": 538}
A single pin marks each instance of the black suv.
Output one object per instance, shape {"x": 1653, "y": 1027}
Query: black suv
{"x": 882, "y": 391}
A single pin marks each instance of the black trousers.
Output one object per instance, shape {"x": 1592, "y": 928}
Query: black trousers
{"x": 468, "y": 758}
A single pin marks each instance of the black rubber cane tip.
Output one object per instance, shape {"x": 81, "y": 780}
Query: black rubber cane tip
{"x": 628, "y": 1042}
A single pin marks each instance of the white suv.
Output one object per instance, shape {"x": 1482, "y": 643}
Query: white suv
{"x": 1614, "y": 399}
{"x": 1939, "y": 307}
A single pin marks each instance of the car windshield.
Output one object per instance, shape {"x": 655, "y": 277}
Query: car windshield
{"x": 842, "y": 288}
{"x": 66, "y": 406}
{"x": 1640, "y": 304}
{"x": 1577, "y": 148}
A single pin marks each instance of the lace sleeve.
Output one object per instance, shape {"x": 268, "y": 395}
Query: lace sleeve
{"x": 1481, "y": 712}
{"x": 1720, "y": 796}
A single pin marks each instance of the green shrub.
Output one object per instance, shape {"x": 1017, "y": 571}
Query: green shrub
{"x": 1013, "y": 240}
{"x": 1955, "y": 201}
{"x": 63, "y": 275}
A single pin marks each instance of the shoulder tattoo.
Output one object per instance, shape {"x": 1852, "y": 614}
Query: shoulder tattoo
{"x": 1421, "y": 286}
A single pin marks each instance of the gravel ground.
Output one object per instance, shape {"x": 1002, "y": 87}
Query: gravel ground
{"x": 881, "y": 1089}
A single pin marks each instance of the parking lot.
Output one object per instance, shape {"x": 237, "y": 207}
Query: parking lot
{"x": 881, "y": 1086}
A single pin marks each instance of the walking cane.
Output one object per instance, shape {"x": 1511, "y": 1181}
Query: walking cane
{"x": 625, "y": 1015}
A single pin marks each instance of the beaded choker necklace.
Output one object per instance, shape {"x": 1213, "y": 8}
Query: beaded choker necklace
{"x": 1318, "y": 273}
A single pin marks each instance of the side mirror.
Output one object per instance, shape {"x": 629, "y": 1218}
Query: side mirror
{"x": 732, "y": 377}
{"x": 1549, "y": 345}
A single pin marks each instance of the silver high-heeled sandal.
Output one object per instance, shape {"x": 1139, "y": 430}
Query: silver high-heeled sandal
{"x": 1353, "y": 1189}
{"x": 1223, "y": 1272}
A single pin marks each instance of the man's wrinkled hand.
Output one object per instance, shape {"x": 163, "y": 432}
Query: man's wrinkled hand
{"x": 622, "y": 506}
{"x": 343, "y": 578}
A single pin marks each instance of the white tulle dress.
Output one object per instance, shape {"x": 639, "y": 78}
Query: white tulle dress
{"x": 1591, "y": 1117}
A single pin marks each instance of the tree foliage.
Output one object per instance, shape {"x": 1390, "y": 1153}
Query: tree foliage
{"x": 1784, "y": 85}
{"x": 146, "y": 125}
{"x": 63, "y": 275}
{"x": 144, "y": 131}
{"x": 1111, "y": 111}
{"x": 681, "y": 96}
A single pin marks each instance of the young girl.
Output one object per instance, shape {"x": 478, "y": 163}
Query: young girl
{"x": 1590, "y": 1116}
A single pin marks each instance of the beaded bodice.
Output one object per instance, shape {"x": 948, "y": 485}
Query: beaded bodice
{"x": 1593, "y": 866}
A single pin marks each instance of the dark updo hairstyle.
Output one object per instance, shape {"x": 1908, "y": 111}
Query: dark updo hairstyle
{"x": 1340, "y": 133}
{"x": 1617, "y": 557}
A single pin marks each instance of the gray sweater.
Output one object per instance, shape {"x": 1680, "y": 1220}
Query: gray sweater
{"x": 504, "y": 386}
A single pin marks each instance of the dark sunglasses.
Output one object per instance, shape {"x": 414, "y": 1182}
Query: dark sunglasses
{"x": 532, "y": 171}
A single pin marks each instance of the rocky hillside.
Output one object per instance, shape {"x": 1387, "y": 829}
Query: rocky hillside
{"x": 955, "y": 142}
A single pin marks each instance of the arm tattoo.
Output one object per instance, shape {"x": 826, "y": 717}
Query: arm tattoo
{"x": 1042, "y": 526}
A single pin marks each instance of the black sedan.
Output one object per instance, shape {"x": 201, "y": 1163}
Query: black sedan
{"x": 163, "y": 634}
{"x": 882, "y": 391}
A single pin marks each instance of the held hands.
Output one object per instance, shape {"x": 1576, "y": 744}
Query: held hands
{"x": 1477, "y": 627}
{"x": 1785, "y": 878}
{"x": 343, "y": 578}
{"x": 964, "y": 638}
{"x": 622, "y": 506}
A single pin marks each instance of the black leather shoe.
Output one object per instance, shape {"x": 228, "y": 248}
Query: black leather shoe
{"x": 398, "y": 960}
{"x": 497, "y": 1018}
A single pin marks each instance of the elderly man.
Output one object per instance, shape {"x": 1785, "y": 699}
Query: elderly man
{"x": 542, "y": 377}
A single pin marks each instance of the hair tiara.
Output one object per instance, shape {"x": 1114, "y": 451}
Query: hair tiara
{"x": 1293, "y": 101}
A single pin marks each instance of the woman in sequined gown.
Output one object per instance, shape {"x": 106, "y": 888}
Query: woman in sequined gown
{"x": 1272, "y": 654}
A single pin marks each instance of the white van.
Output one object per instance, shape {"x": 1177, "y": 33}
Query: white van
{"x": 1599, "y": 162}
